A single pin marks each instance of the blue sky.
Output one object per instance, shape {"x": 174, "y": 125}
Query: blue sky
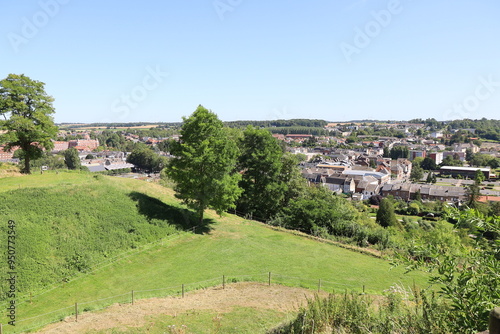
{"x": 338, "y": 60}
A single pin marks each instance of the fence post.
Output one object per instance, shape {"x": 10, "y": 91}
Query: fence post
{"x": 223, "y": 282}
{"x": 182, "y": 290}
{"x": 76, "y": 312}
{"x": 494, "y": 325}
{"x": 132, "y": 297}
{"x": 363, "y": 289}
{"x": 1, "y": 330}
{"x": 319, "y": 285}
{"x": 269, "y": 279}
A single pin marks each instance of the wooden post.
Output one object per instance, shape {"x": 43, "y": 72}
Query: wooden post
{"x": 319, "y": 285}
{"x": 269, "y": 279}
{"x": 363, "y": 289}
{"x": 76, "y": 312}
{"x": 494, "y": 324}
{"x": 1, "y": 330}
{"x": 223, "y": 282}
{"x": 182, "y": 290}
{"x": 132, "y": 297}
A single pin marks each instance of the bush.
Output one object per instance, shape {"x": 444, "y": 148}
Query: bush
{"x": 116, "y": 171}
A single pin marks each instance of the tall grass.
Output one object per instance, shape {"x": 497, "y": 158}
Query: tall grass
{"x": 399, "y": 311}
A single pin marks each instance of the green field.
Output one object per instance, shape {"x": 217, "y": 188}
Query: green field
{"x": 230, "y": 246}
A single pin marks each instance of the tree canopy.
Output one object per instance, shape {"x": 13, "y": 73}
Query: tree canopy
{"x": 399, "y": 152}
{"x": 203, "y": 166}
{"x": 385, "y": 214}
{"x": 261, "y": 163}
{"x": 28, "y": 121}
{"x": 71, "y": 158}
{"x": 416, "y": 173}
{"x": 146, "y": 159}
{"x": 428, "y": 164}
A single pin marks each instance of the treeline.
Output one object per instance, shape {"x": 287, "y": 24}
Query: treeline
{"x": 397, "y": 152}
{"x": 379, "y": 132}
{"x": 296, "y": 130}
{"x": 119, "y": 125}
{"x": 488, "y": 129}
{"x": 154, "y": 132}
{"x": 485, "y": 128}
{"x": 314, "y": 123}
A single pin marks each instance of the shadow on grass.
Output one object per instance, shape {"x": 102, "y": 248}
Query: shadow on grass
{"x": 183, "y": 219}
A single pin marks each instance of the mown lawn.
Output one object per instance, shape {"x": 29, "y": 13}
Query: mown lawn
{"x": 240, "y": 320}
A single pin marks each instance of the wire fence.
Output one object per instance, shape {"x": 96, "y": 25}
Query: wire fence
{"x": 71, "y": 312}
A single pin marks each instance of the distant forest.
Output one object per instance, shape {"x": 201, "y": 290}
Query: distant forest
{"x": 488, "y": 129}
{"x": 315, "y": 123}
{"x": 118, "y": 125}
{"x": 281, "y": 123}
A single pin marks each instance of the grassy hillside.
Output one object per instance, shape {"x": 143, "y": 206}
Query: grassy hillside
{"x": 66, "y": 222}
{"x": 69, "y": 228}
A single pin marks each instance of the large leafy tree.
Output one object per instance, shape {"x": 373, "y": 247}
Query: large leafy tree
{"x": 399, "y": 152}
{"x": 473, "y": 192}
{"x": 261, "y": 161}
{"x": 203, "y": 166}
{"x": 72, "y": 159}
{"x": 416, "y": 173}
{"x": 451, "y": 161}
{"x": 316, "y": 208}
{"x": 479, "y": 177}
{"x": 164, "y": 146}
{"x": 428, "y": 164}
{"x": 385, "y": 214}
{"x": 145, "y": 158}
{"x": 468, "y": 280}
{"x": 27, "y": 111}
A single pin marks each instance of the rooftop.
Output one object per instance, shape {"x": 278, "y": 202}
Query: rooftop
{"x": 467, "y": 169}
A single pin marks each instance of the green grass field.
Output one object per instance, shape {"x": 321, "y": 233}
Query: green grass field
{"x": 229, "y": 246}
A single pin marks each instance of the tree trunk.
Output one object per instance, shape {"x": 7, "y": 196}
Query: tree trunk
{"x": 27, "y": 164}
{"x": 200, "y": 215}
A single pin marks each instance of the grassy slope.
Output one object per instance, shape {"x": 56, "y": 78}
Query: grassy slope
{"x": 75, "y": 217}
{"x": 230, "y": 246}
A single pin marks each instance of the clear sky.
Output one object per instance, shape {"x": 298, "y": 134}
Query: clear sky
{"x": 338, "y": 60}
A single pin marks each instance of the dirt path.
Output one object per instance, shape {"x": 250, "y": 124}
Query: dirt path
{"x": 216, "y": 299}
